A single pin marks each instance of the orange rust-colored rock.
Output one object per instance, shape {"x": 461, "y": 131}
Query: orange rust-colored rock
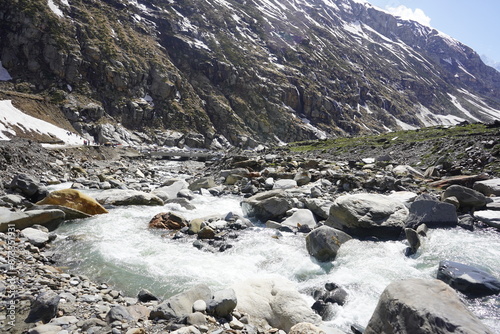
{"x": 74, "y": 199}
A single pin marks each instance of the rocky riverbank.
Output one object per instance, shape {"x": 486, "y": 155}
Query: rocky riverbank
{"x": 328, "y": 200}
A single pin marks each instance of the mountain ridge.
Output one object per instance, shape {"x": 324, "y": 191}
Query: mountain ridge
{"x": 242, "y": 72}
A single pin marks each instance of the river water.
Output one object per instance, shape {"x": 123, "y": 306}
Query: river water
{"x": 118, "y": 248}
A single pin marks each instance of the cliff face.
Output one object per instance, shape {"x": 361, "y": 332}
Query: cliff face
{"x": 243, "y": 71}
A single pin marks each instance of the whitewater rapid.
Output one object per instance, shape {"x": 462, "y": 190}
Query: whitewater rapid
{"x": 119, "y": 249}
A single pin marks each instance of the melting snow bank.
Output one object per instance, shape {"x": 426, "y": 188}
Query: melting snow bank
{"x": 13, "y": 120}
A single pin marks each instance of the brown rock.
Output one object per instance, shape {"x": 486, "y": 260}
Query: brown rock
{"x": 168, "y": 220}
{"x": 74, "y": 199}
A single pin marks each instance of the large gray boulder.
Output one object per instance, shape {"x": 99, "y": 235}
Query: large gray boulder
{"x": 274, "y": 302}
{"x": 417, "y": 306}
{"x": 469, "y": 280}
{"x": 181, "y": 304}
{"x": 467, "y": 197}
{"x": 488, "y": 187}
{"x": 127, "y": 197}
{"x": 25, "y": 219}
{"x": 267, "y": 205}
{"x": 367, "y": 215}
{"x": 432, "y": 213}
{"x": 324, "y": 242}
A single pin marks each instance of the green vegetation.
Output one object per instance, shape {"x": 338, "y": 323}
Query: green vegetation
{"x": 395, "y": 138}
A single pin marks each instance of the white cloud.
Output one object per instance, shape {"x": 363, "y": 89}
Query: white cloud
{"x": 410, "y": 14}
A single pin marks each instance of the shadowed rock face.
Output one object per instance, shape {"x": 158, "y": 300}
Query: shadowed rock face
{"x": 245, "y": 72}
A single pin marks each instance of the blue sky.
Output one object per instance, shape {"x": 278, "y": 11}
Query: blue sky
{"x": 474, "y": 23}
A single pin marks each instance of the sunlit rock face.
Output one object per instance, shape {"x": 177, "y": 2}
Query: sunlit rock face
{"x": 242, "y": 72}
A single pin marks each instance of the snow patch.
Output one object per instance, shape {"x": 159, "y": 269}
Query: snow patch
{"x": 457, "y": 104}
{"x": 430, "y": 119}
{"x": 12, "y": 119}
{"x": 55, "y": 9}
{"x": 319, "y": 133}
{"x": 4, "y": 74}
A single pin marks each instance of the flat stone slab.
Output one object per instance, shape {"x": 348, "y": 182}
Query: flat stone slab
{"x": 469, "y": 280}
{"x": 489, "y": 217}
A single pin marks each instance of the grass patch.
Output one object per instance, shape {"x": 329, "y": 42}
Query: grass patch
{"x": 407, "y": 137}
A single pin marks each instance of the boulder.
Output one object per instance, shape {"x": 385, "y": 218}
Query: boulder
{"x": 202, "y": 183}
{"x": 25, "y": 219}
{"x": 274, "y": 302}
{"x": 29, "y": 187}
{"x": 206, "y": 232}
{"x": 118, "y": 313}
{"x": 35, "y": 236}
{"x": 267, "y": 205}
{"x": 181, "y": 304}
{"x": 431, "y": 213}
{"x": 417, "y": 306}
{"x": 469, "y": 280}
{"x": 223, "y": 303}
{"x": 324, "y": 242}
{"x": 413, "y": 240}
{"x": 127, "y": 197}
{"x": 146, "y": 296}
{"x": 168, "y": 220}
{"x": 69, "y": 213}
{"x": 73, "y": 199}
{"x": 44, "y": 307}
{"x": 300, "y": 218}
{"x": 170, "y": 191}
{"x": 488, "y": 187}
{"x": 489, "y": 217}
{"x": 302, "y": 178}
{"x": 366, "y": 215}
{"x": 284, "y": 184}
{"x": 319, "y": 207}
{"x": 468, "y": 198}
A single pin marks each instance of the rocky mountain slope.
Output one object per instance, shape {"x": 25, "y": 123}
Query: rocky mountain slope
{"x": 218, "y": 72}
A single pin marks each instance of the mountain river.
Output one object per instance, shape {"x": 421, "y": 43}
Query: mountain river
{"x": 118, "y": 248}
